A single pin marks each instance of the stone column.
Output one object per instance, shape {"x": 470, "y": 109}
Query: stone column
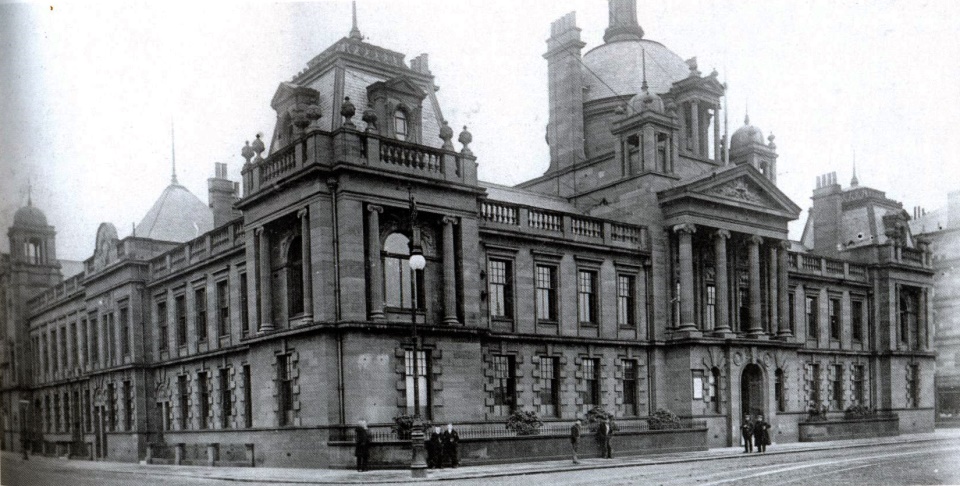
{"x": 717, "y": 143}
{"x": 773, "y": 290}
{"x": 375, "y": 280}
{"x": 685, "y": 233}
{"x": 785, "y": 310}
{"x": 304, "y": 215}
{"x": 449, "y": 272}
{"x": 722, "y": 318}
{"x": 266, "y": 296}
{"x": 695, "y": 121}
{"x": 755, "y": 329}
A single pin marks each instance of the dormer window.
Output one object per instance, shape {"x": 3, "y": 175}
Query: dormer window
{"x": 400, "y": 124}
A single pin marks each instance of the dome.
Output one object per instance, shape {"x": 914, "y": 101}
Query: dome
{"x": 177, "y": 216}
{"x": 29, "y": 216}
{"x": 644, "y": 101}
{"x": 619, "y": 64}
{"x": 746, "y": 135}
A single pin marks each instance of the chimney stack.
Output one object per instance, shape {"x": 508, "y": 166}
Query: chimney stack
{"x": 222, "y": 194}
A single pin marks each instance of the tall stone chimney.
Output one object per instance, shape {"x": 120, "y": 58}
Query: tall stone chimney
{"x": 623, "y": 22}
{"x": 565, "y": 128}
{"x": 222, "y": 194}
{"x": 826, "y": 214}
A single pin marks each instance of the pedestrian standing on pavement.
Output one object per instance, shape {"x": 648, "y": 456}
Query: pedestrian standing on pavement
{"x": 451, "y": 446}
{"x": 575, "y": 439}
{"x": 434, "y": 449}
{"x": 604, "y": 431}
{"x": 746, "y": 430}
{"x": 362, "y": 442}
{"x": 761, "y": 434}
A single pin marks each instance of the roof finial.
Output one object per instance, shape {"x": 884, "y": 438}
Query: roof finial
{"x": 746, "y": 113}
{"x": 623, "y": 22}
{"x": 726, "y": 124}
{"x": 355, "y": 31}
{"x": 29, "y": 192}
{"x": 643, "y": 53}
{"x": 173, "y": 156}
{"x": 854, "y": 182}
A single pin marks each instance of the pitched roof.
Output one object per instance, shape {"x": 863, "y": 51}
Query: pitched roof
{"x": 526, "y": 197}
{"x": 177, "y": 216}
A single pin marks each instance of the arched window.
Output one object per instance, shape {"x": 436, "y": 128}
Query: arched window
{"x": 779, "y": 391}
{"x": 400, "y": 124}
{"x": 714, "y": 381}
{"x": 31, "y": 250}
{"x": 397, "y": 276}
{"x": 294, "y": 277}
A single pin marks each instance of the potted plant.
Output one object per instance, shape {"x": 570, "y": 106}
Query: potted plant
{"x": 663, "y": 419}
{"x": 524, "y": 422}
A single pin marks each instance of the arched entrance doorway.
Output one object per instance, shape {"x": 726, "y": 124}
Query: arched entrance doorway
{"x": 751, "y": 390}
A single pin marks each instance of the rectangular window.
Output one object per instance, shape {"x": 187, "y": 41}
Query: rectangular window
{"x": 833, "y": 308}
{"x": 629, "y": 387}
{"x": 124, "y": 331}
{"x": 696, "y": 381}
{"x": 504, "y": 384}
{"x": 778, "y": 390}
{"x": 909, "y": 310}
{"x": 47, "y": 410}
{"x": 812, "y": 309}
{"x": 180, "y": 309}
{"x": 836, "y": 387}
{"x": 184, "y": 394}
{"x": 814, "y": 384}
{"x": 590, "y": 370}
{"x": 162, "y": 332}
{"x": 244, "y": 311}
{"x": 587, "y": 296}
{"x": 63, "y": 347}
{"x": 111, "y": 407}
{"x": 859, "y": 391}
{"x": 711, "y": 312}
{"x": 285, "y": 391}
{"x": 111, "y": 354}
{"x": 56, "y": 413}
{"x": 500, "y": 275}
{"x": 549, "y": 387}
{"x": 546, "y": 282}
{"x": 713, "y": 388}
{"x": 200, "y": 313}
{"x": 162, "y": 413}
{"x": 226, "y": 399}
{"x": 223, "y": 308}
{"x": 791, "y": 312}
{"x": 94, "y": 341}
{"x": 247, "y": 397}
{"x": 74, "y": 347}
{"x": 913, "y": 386}
{"x": 87, "y": 411}
{"x": 66, "y": 412}
{"x": 743, "y": 295}
{"x": 626, "y": 300}
{"x": 421, "y": 373}
{"x": 203, "y": 396}
{"x": 127, "y": 406}
{"x": 856, "y": 320}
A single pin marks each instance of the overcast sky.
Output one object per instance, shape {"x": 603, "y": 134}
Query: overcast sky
{"x": 88, "y": 92}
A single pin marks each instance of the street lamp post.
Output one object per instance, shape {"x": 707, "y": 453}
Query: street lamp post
{"x": 418, "y": 466}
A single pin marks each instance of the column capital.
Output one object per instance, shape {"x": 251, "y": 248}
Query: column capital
{"x": 302, "y": 213}
{"x": 784, "y": 245}
{"x": 451, "y": 220}
{"x": 375, "y": 208}
{"x": 755, "y": 240}
{"x": 685, "y": 228}
{"x": 721, "y": 233}
{"x": 260, "y": 230}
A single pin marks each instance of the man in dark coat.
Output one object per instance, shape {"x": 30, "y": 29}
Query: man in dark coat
{"x": 746, "y": 430}
{"x": 362, "y": 442}
{"x": 451, "y": 446}
{"x": 761, "y": 434}
{"x": 575, "y": 440}
{"x": 604, "y": 431}
{"x": 434, "y": 449}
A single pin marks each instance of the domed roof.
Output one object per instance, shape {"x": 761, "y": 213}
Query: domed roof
{"x": 29, "y": 216}
{"x": 620, "y": 65}
{"x": 177, "y": 216}
{"x": 746, "y": 135}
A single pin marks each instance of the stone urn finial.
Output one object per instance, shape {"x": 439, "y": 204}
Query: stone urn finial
{"x": 370, "y": 118}
{"x": 258, "y": 147}
{"x": 446, "y": 134}
{"x": 347, "y": 110}
{"x": 771, "y": 138}
{"x": 247, "y": 152}
{"x": 465, "y": 138}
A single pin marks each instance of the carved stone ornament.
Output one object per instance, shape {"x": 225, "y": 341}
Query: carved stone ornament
{"x": 258, "y": 147}
{"x": 370, "y": 118}
{"x": 247, "y": 152}
{"x": 738, "y": 189}
{"x": 465, "y": 138}
{"x": 347, "y": 110}
{"x": 737, "y": 358}
{"x": 446, "y": 134}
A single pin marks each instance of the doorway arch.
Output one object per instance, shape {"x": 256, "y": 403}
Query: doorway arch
{"x": 751, "y": 391}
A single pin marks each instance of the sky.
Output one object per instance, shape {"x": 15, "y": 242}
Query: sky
{"x": 88, "y": 91}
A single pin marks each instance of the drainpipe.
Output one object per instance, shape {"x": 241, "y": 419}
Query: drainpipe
{"x": 332, "y": 185}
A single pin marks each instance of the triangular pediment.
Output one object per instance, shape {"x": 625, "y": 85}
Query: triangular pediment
{"x": 401, "y": 85}
{"x": 740, "y": 188}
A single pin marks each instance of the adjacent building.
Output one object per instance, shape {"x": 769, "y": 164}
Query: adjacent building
{"x": 648, "y": 268}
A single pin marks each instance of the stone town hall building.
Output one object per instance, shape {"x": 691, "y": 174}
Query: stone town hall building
{"x": 648, "y": 267}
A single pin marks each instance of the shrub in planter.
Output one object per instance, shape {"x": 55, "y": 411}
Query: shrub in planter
{"x": 524, "y": 422}
{"x": 596, "y": 416}
{"x": 663, "y": 420}
{"x": 402, "y": 426}
{"x": 854, "y": 412}
{"x": 817, "y": 413}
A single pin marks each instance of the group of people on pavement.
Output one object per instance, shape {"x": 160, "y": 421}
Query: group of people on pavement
{"x": 443, "y": 447}
{"x": 755, "y": 432}
{"x": 604, "y": 433}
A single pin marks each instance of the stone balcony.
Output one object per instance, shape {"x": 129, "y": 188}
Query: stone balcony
{"x": 826, "y": 267}
{"x": 363, "y": 150}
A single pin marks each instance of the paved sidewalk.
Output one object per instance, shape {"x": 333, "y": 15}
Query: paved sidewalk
{"x": 262, "y": 475}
